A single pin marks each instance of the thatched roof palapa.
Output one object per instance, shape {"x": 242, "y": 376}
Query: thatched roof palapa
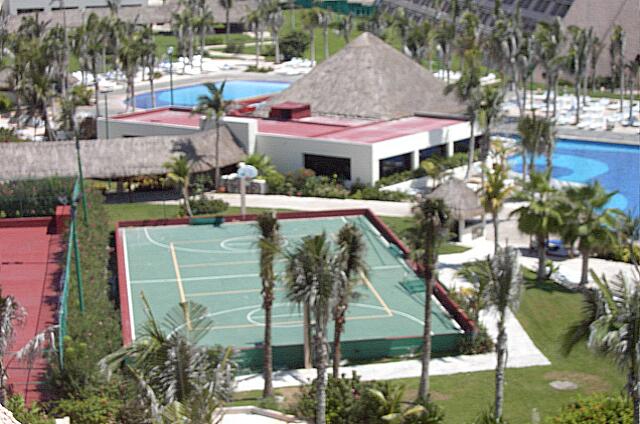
{"x": 460, "y": 199}
{"x": 370, "y": 79}
{"x": 115, "y": 158}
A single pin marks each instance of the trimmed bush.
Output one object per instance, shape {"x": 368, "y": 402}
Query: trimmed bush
{"x": 204, "y": 206}
{"x": 92, "y": 410}
{"x": 294, "y": 44}
{"x": 597, "y": 409}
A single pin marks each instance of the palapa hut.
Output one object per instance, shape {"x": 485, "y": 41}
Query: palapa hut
{"x": 464, "y": 205}
{"x": 118, "y": 158}
{"x": 370, "y": 79}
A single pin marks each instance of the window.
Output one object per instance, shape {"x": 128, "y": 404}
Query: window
{"x": 542, "y": 6}
{"x": 329, "y": 166}
{"x": 395, "y": 164}
{"x": 433, "y": 151}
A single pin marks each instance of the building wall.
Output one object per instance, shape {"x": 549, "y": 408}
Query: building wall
{"x": 119, "y": 128}
{"x": 15, "y": 7}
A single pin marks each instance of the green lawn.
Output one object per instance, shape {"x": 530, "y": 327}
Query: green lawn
{"x": 545, "y": 313}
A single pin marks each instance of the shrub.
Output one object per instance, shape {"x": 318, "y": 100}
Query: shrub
{"x": 8, "y": 135}
{"x": 31, "y": 415}
{"x": 204, "y": 206}
{"x": 5, "y": 103}
{"x": 254, "y": 68}
{"x": 82, "y": 95}
{"x": 234, "y": 46}
{"x": 28, "y": 198}
{"x": 92, "y": 410}
{"x": 481, "y": 343}
{"x": 294, "y": 44}
{"x": 597, "y": 409}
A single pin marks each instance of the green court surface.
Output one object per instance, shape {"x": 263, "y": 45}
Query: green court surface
{"x": 218, "y": 267}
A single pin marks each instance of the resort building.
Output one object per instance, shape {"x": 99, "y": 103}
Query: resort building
{"x": 15, "y": 7}
{"x": 366, "y": 112}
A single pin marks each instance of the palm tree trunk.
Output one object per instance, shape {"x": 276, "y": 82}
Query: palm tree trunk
{"x": 501, "y": 354}
{"x": 325, "y": 34}
{"x": 306, "y": 336}
{"x": 268, "y": 351}
{"x": 631, "y": 98}
{"x": 216, "y": 181}
{"x": 133, "y": 92}
{"x": 429, "y": 280}
{"x": 276, "y": 40}
{"x": 152, "y": 86}
{"x": 337, "y": 349}
{"x": 584, "y": 275}
{"x": 555, "y": 97}
{"x": 321, "y": 380}
{"x": 228, "y": 26}
{"x": 621, "y": 86}
{"x": 472, "y": 148}
{"x": 542, "y": 258}
{"x": 185, "y": 197}
{"x": 577, "y": 102}
{"x": 524, "y": 164}
{"x": 548, "y": 98}
{"x": 496, "y": 223}
{"x": 312, "y": 46}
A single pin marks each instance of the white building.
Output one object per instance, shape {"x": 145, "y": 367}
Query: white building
{"x": 15, "y": 7}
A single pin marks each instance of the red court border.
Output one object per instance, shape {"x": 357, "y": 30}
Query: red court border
{"x": 468, "y": 325}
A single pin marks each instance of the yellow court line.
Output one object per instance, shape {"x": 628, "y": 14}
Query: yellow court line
{"x": 275, "y": 324}
{"x": 219, "y": 293}
{"x": 375, "y": 293}
{"x": 176, "y": 268}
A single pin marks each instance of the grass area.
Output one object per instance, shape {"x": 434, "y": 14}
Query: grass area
{"x": 401, "y": 226}
{"x": 545, "y": 313}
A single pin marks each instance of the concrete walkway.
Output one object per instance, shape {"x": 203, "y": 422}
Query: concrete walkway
{"x": 398, "y": 209}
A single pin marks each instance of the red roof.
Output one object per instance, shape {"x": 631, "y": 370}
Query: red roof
{"x": 164, "y": 115}
{"x": 353, "y": 130}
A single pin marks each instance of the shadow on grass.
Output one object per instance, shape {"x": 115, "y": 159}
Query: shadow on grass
{"x": 547, "y": 286}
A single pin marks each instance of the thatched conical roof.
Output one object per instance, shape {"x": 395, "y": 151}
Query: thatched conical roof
{"x": 371, "y": 79}
{"x": 460, "y": 199}
{"x": 115, "y": 158}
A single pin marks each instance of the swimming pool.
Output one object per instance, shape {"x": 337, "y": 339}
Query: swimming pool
{"x": 233, "y": 90}
{"x": 616, "y": 166}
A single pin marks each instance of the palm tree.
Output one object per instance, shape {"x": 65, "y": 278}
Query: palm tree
{"x": 11, "y": 314}
{"x": 540, "y": 216}
{"x": 270, "y": 245}
{"x": 179, "y": 172}
{"x": 311, "y": 275}
{"x": 444, "y": 36}
{"x": 634, "y": 75}
{"x": 616, "y": 51}
{"x": 489, "y": 112}
{"x": 214, "y": 106}
{"x": 430, "y": 231}
{"x": 344, "y": 25}
{"x": 550, "y": 40}
{"x": 311, "y": 21}
{"x": 275, "y": 20}
{"x": 205, "y": 22}
{"x": 129, "y": 55}
{"x": 588, "y": 221}
{"x": 467, "y": 89}
{"x": 577, "y": 60}
{"x": 537, "y": 137}
{"x": 325, "y": 21}
{"x": 503, "y": 292}
{"x": 174, "y": 371}
{"x": 255, "y": 19}
{"x": 611, "y": 325}
{"x": 354, "y": 267}
{"x": 495, "y": 193}
{"x": 468, "y": 38}
{"x": 227, "y": 5}
{"x": 401, "y": 24}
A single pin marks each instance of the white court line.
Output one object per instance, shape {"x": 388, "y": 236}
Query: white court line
{"x": 128, "y": 277}
{"x": 176, "y": 268}
{"x": 230, "y": 276}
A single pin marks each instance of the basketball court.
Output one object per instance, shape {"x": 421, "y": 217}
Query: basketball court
{"x": 218, "y": 267}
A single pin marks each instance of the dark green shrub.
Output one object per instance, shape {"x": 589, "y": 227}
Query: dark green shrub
{"x": 597, "y": 409}
{"x": 481, "y": 343}
{"x": 276, "y": 183}
{"x": 294, "y": 44}
{"x": 254, "y": 68}
{"x": 8, "y": 135}
{"x": 82, "y": 95}
{"x": 204, "y": 206}
{"x": 33, "y": 197}
{"x": 234, "y": 46}
{"x": 32, "y": 415}
{"x": 92, "y": 410}
{"x": 5, "y": 103}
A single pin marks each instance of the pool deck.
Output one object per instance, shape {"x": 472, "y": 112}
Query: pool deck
{"x": 631, "y": 139}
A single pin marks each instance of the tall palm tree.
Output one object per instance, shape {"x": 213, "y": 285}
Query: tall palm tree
{"x": 468, "y": 37}
{"x": 325, "y": 21}
{"x": 344, "y": 24}
{"x": 537, "y": 137}
{"x": 214, "y": 106}
{"x": 617, "y": 51}
{"x": 550, "y": 41}
{"x": 179, "y": 172}
{"x": 495, "y": 193}
{"x": 611, "y": 325}
{"x": 149, "y": 59}
{"x": 467, "y": 89}
{"x": 275, "y": 21}
{"x": 579, "y": 47}
{"x": 489, "y": 112}
{"x": 255, "y": 20}
{"x": 226, "y": 5}
{"x": 311, "y": 275}
{"x": 354, "y": 267}
{"x": 173, "y": 370}
{"x": 311, "y": 21}
{"x": 94, "y": 43}
{"x": 588, "y": 221}
{"x": 504, "y": 291}
{"x": 633, "y": 67}
{"x": 11, "y": 314}
{"x": 401, "y": 24}
{"x": 270, "y": 245}
{"x": 129, "y": 56}
{"x": 431, "y": 219}
{"x": 540, "y": 216}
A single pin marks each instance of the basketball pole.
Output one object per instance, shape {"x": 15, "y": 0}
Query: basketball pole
{"x": 243, "y": 196}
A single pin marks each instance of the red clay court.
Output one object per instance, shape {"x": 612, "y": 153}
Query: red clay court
{"x": 30, "y": 267}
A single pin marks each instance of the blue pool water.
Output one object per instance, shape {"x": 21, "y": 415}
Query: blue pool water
{"x": 616, "y": 166}
{"x": 233, "y": 90}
